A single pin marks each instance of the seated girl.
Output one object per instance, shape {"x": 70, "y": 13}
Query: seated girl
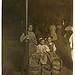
{"x": 41, "y": 54}
{"x": 52, "y": 54}
{"x": 50, "y": 44}
{"x": 42, "y": 49}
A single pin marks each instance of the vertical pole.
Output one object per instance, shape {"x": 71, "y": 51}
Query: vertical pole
{"x": 27, "y": 41}
{"x": 26, "y": 16}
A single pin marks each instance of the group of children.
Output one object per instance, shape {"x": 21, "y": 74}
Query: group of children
{"x": 45, "y": 48}
{"x": 46, "y": 57}
{"x": 42, "y": 53}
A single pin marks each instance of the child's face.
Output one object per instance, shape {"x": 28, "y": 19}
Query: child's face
{"x": 42, "y": 42}
{"x": 30, "y": 28}
{"x": 49, "y": 39}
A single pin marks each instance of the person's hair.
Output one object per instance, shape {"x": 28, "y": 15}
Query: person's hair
{"x": 40, "y": 39}
{"x": 49, "y": 36}
{"x": 30, "y": 25}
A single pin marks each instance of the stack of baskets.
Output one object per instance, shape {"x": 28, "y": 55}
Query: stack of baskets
{"x": 34, "y": 66}
{"x": 57, "y": 67}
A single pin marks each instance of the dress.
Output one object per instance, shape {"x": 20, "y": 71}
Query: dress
{"x": 32, "y": 43}
{"x": 29, "y": 47}
{"x": 43, "y": 49}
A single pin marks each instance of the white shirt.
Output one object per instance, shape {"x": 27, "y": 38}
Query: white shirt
{"x": 42, "y": 48}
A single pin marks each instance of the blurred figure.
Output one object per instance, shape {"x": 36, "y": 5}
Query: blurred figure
{"x": 52, "y": 28}
{"x": 37, "y": 32}
{"x": 60, "y": 35}
{"x": 68, "y": 33}
{"x": 63, "y": 46}
{"x": 60, "y": 32}
{"x": 71, "y": 43}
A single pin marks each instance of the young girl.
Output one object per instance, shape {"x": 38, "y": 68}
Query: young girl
{"x": 42, "y": 48}
{"x": 51, "y": 44}
{"x": 52, "y": 54}
{"x": 32, "y": 40}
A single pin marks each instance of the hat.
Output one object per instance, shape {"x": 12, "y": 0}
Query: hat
{"x": 69, "y": 28}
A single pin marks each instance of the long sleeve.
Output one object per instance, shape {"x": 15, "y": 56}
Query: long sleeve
{"x": 21, "y": 38}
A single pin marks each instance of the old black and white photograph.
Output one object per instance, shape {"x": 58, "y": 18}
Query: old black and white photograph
{"x": 37, "y": 37}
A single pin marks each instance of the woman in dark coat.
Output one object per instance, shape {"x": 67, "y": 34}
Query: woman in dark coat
{"x": 63, "y": 47}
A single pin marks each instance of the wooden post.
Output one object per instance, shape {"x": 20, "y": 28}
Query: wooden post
{"x": 26, "y": 17}
{"x": 26, "y": 44}
{"x": 27, "y": 41}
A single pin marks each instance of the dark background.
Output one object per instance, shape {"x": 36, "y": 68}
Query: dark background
{"x": 41, "y": 13}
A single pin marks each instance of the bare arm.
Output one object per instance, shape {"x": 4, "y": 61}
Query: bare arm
{"x": 23, "y": 37}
